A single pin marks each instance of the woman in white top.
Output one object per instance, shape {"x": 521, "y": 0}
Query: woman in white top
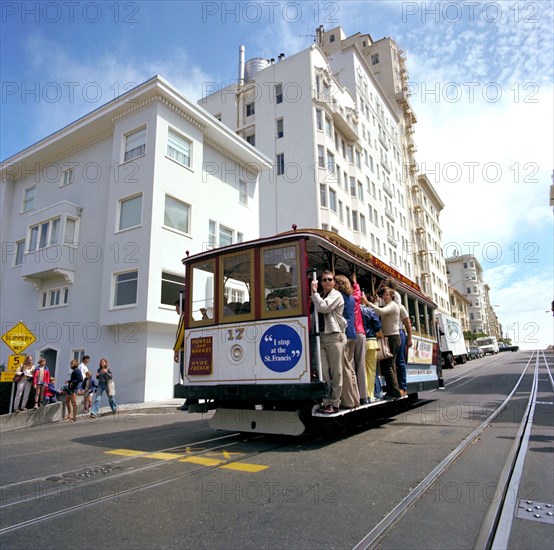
{"x": 25, "y": 376}
{"x": 389, "y": 314}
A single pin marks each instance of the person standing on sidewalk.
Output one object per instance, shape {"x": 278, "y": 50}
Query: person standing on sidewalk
{"x": 73, "y": 385}
{"x": 104, "y": 376}
{"x": 41, "y": 379}
{"x": 24, "y": 375}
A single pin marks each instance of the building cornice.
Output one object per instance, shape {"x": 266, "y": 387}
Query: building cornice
{"x": 246, "y": 166}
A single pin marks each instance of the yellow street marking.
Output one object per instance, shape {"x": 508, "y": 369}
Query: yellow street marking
{"x": 224, "y": 454}
{"x": 203, "y": 460}
{"x": 129, "y": 452}
{"x": 125, "y": 452}
{"x": 252, "y": 468}
{"x": 164, "y": 456}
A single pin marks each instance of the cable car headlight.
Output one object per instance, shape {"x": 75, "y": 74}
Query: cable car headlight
{"x": 237, "y": 353}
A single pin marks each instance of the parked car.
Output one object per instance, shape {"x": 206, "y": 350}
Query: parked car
{"x": 506, "y": 347}
{"x": 474, "y": 353}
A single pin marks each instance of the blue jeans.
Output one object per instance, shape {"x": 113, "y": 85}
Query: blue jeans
{"x": 96, "y": 405}
{"x": 401, "y": 361}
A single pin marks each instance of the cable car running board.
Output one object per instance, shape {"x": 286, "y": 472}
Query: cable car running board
{"x": 342, "y": 412}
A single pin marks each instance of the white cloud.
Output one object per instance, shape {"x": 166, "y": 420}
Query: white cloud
{"x": 86, "y": 85}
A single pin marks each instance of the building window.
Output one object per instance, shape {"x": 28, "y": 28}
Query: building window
{"x": 179, "y": 148}
{"x": 319, "y": 119}
{"x": 78, "y": 355}
{"x": 341, "y": 214}
{"x": 355, "y": 220}
{"x": 362, "y": 224}
{"x": 212, "y": 234}
{"x": 280, "y": 129}
{"x": 220, "y": 235}
{"x": 54, "y": 298}
{"x": 177, "y": 214}
{"x": 328, "y": 127}
{"x": 280, "y": 164}
{"x": 360, "y": 191}
{"x": 352, "y": 186}
{"x": 67, "y": 177}
{"x": 44, "y": 234}
{"x": 130, "y": 212}
{"x": 126, "y": 287}
{"x": 243, "y": 192}
{"x": 250, "y": 109}
{"x": 135, "y": 144}
{"x": 19, "y": 252}
{"x": 251, "y": 139}
{"x": 321, "y": 156}
{"x": 225, "y": 236}
{"x": 332, "y": 38}
{"x": 323, "y": 195}
{"x": 28, "y": 198}
{"x": 278, "y": 93}
{"x": 172, "y": 285}
{"x": 331, "y": 162}
{"x": 333, "y": 200}
{"x": 70, "y": 233}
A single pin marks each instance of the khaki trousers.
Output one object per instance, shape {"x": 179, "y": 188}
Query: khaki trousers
{"x": 332, "y": 354}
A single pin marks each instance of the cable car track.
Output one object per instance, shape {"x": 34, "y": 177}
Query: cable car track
{"x": 495, "y": 529}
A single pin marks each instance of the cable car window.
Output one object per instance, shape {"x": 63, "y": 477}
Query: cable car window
{"x": 202, "y": 293}
{"x": 237, "y": 284}
{"x": 280, "y": 276}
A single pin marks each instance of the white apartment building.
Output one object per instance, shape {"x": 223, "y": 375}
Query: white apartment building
{"x": 426, "y": 207}
{"x": 335, "y": 139}
{"x": 337, "y": 121}
{"x": 96, "y": 219}
{"x": 459, "y": 305}
{"x": 465, "y": 274}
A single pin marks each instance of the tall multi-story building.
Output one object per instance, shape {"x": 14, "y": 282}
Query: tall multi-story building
{"x": 337, "y": 121}
{"x": 459, "y": 308}
{"x": 465, "y": 274}
{"x": 96, "y": 218}
{"x": 427, "y": 235}
{"x": 492, "y": 324}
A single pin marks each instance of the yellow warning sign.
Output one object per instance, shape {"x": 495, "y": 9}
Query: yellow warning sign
{"x": 18, "y": 338}
{"x": 14, "y": 362}
{"x": 6, "y": 376}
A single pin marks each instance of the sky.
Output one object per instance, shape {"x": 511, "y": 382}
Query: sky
{"x": 480, "y": 75}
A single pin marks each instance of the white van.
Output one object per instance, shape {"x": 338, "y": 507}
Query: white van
{"x": 487, "y": 344}
{"x": 451, "y": 340}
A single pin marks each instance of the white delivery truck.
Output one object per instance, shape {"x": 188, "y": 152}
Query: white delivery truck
{"x": 451, "y": 340}
{"x": 487, "y": 344}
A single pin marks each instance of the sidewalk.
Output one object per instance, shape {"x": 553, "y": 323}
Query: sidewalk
{"x": 56, "y": 412}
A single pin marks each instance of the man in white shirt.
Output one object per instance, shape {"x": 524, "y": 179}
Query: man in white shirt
{"x": 83, "y": 366}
